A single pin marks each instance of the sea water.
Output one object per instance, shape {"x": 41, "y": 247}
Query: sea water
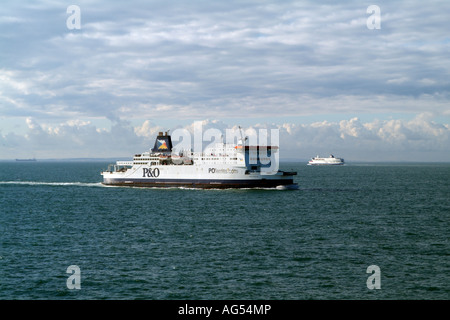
{"x": 316, "y": 242}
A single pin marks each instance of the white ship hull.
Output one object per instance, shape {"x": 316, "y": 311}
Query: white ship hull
{"x": 196, "y": 177}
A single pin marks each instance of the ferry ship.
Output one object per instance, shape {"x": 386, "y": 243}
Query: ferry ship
{"x": 331, "y": 160}
{"x": 221, "y": 165}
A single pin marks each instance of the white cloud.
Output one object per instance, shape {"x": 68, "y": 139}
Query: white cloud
{"x": 285, "y": 56}
{"x": 148, "y": 129}
{"x": 376, "y": 140}
{"x": 357, "y": 140}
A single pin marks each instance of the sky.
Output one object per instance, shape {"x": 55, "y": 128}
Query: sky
{"x": 331, "y": 76}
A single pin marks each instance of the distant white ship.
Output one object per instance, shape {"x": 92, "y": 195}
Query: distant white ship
{"x": 331, "y": 160}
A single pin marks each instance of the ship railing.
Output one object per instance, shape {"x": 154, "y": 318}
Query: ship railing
{"x": 124, "y": 163}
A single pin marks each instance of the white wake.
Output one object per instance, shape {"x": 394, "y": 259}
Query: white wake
{"x": 43, "y": 183}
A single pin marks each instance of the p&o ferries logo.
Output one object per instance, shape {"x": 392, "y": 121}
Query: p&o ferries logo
{"x": 150, "y": 173}
{"x": 214, "y": 170}
{"x": 162, "y": 145}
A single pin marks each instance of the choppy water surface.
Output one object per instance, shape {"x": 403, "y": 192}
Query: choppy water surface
{"x": 311, "y": 243}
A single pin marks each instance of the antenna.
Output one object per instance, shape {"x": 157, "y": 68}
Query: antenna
{"x": 242, "y": 138}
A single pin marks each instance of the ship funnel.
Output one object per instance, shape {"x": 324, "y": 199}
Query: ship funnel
{"x": 163, "y": 143}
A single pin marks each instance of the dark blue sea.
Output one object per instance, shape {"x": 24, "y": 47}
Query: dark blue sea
{"x": 313, "y": 243}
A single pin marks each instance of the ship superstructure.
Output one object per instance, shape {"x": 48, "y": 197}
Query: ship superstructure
{"x": 220, "y": 165}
